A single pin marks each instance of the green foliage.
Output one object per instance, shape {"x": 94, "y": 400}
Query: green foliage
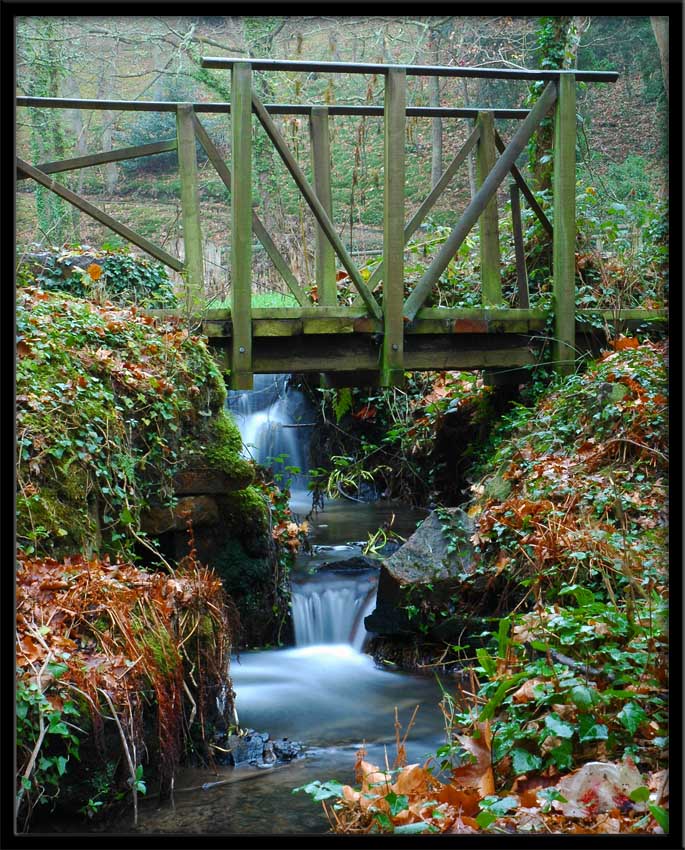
{"x": 583, "y": 668}
{"x": 103, "y": 397}
{"x": 45, "y": 726}
{"x": 114, "y": 275}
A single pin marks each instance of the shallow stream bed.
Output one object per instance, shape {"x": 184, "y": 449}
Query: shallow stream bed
{"x": 329, "y": 696}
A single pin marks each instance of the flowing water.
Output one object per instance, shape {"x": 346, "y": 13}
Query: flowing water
{"x": 324, "y": 692}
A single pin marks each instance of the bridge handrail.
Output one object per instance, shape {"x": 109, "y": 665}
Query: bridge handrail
{"x": 273, "y": 108}
{"x": 411, "y": 70}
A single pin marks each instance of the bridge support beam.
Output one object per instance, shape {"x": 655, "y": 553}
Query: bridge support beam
{"x": 241, "y": 226}
{"x": 491, "y": 280}
{"x": 392, "y": 352}
{"x": 190, "y": 211}
{"x": 564, "y": 243}
{"x": 326, "y": 284}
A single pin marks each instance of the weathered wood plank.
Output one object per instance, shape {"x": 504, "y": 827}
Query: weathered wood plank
{"x": 487, "y": 313}
{"x": 563, "y": 251}
{"x": 392, "y": 352}
{"x": 525, "y": 189}
{"x": 491, "y": 279}
{"x": 626, "y": 313}
{"x": 106, "y": 156}
{"x": 519, "y": 251}
{"x": 315, "y": 205}
{"x": 271, "y": 108}
{"x": 190, "y": 211}
{"x": 326, "y": 283}
{"x": 422, "y": 289}
{"x": 355, "y": 353}
{"x": 310, "y": 312}
{"x": 258, "y": 228}
{"x": 416, "y": 70}
{"x": 88, "y": 208}
{"x": 241, "y": 226}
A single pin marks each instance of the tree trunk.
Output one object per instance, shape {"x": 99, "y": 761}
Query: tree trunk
{"x": 104, "y": 91}
{"x": 660, "y": 29}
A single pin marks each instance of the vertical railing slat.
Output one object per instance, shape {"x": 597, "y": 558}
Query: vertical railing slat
{"x": 519, "y": 251}
{"x": 563, "y": 254}
{"x": 491, "y": 280}
{"x": 321, "y": 167}
{"x": 190, "y": 210}
{"x": 392, "y": 355}
{"x": 241, "y": 225}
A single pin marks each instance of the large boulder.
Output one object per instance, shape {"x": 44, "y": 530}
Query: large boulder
{"x": 419, "y": 579}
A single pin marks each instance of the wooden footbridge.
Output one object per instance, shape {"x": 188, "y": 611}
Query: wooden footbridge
{"x": 384, "y": 332}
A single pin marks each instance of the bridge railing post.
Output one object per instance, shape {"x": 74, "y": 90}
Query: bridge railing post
{"x": 491, "y": 280}
{"x": 326, "y": 285}
{"x": 190, "y": 210}
{"x": 241, "y": 225}
{"x": 392, "y": 354}
{"x": 564, "y": 240}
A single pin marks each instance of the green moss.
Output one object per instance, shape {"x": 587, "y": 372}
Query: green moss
{"x": 55, "y": 524}
{"x": 160, "y": 643}
{"x": 223, "y": 450}
{"x": 247, "y": 513}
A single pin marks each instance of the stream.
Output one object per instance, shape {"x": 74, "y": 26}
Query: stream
{"x": 324, "y": 692}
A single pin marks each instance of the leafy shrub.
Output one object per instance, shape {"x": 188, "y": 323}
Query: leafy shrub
{"x": 114, "y": 275}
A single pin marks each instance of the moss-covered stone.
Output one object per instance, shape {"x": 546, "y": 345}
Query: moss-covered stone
{"x": 249, "y": 582}
{"x": 247, "y": 518}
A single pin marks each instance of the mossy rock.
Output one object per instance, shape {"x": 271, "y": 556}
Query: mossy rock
{"x": 249, "y": 582}
{"x": 63, "y": 525}
{"x": 218, "y": 445}
{"x": 247, "y": 518}
{"x": 496, "y": 487}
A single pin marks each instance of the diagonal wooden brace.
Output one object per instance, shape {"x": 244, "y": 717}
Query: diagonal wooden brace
{"x": 259, "y": 230}
{"x": 472, "y": 213}
{"x": 523, "y": 186}
{"x": 88, "y": 208}
{"x": 315, "y": 205}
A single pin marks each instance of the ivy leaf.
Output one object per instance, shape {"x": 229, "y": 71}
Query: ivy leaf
{"x": 525, "y": 762}
{"x": 660, "y": 815}
{"x": 414, "y": 828}
{"x": 639, "y": 795}
{"x": 397, "y": 802}
{"x": 632, "y": 716}
{"x": 384, "y": 821}
{"x": 558, "y": 727}
{"x": 589, "y": 730}
{"x": 582, "y": 696}
{"x": 321, "y": 790}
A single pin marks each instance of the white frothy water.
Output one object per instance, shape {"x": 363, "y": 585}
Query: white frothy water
{"x": 330, "y": 608}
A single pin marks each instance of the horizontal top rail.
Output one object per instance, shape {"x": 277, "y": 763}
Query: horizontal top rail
{"x": 413, "y": 70}
{"x": 273, "y": 108}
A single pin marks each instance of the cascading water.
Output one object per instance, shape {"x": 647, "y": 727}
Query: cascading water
{"x": 330, "y": 608}
{"x": 275, "y": 423}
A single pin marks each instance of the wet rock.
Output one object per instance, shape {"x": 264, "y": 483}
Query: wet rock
{"x": 194, "y": 482}
{"x": 247, "y": 748}
{"x": 255, "y": 748}
{"x": 352, "y": 565}
{"x": 202, "y": 510}
{"x": 285, "y": 750}
{"x": 435, "y": 559}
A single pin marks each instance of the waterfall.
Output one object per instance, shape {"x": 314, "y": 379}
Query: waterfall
{"x": 273, "y": 420}
{"x": 328, "y": 607}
